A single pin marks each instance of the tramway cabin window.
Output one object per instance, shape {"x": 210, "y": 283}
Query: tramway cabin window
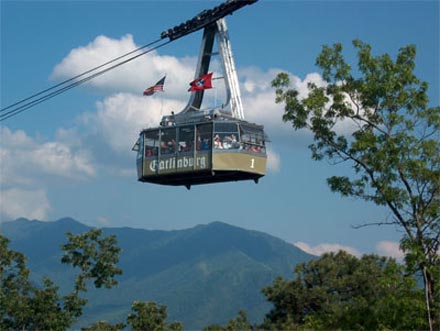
{"x": 204, "y": 137}
{"x": 252, "y": 139}
{"x": 226, "y": 136}
{"x": 186, "y": 139}
{"x": 151, "y": 142}
{"x": 168, "y": 141}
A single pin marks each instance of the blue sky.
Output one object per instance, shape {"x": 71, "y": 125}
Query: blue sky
{"x": 71, "y": 156}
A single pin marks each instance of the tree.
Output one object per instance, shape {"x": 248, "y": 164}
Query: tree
{"x": 150, "y": 316}
{"x": 24, "y": 306}
{"x": 104, "y": 326}
{"x": 240, "y": 323}
{"x": 96, "y": 258}
{"x": 393, "y": 146}
{"x": 340, "y": 291}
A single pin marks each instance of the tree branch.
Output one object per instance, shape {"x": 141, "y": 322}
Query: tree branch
{"x": 370, "y": 173}
{"x": 360, "y": 226}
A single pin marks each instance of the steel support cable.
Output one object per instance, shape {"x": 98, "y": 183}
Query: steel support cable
{"x": 35, "y": 102}
{"x": 78, "y": 76}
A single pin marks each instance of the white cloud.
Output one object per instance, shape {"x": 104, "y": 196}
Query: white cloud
{"x": 27, "y": 162}
{"x": 133, "y": 76}
{"x": 302, "y": 85}
{"x": 58, "y": 159}
{"x": 391, "y": 249}
{"x": 103, "y": 221}
{"x": 32, "y": 204}
{"x": 261, "y": 108}
{"x": 23, "y": 159}
{"x": 273, "y": 161}
{"x": 383, "y": 248}
{"x": 259, "y": 97}
{"x": 120, "y": 118}
{"x": 320, "y": 249}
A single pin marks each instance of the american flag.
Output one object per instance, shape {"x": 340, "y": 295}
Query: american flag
{"x": 158, "y": 87}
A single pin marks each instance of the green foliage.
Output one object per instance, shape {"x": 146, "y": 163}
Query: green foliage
{"x": 378, "y": 119}
{"x": 214, "y": 327}
{"x": 14, "y": 289}
{"x": 240, "y": 323}
{"x": 150, "y": 316}
{"x": 340, "y": 291}
{"x": 96, "y": 257}
{"x": 46, "y": 312}
{"x": 104, "y": 326}
{"x": 24, "y": 306}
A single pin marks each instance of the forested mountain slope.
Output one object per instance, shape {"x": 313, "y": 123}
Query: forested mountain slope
{"x": 204, "y": 275}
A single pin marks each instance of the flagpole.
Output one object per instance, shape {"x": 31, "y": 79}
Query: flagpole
{"x": 161, "y": 105}
{"x": 161, "y": 98}
{"x": 158, "y": 87}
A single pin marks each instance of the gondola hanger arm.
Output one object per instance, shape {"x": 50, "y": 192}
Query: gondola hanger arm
{"x": 205, "y": 18}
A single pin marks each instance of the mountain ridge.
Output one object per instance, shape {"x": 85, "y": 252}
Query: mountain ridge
{"x": 203, "y": 274}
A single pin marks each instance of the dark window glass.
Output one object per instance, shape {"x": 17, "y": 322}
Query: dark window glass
{"x": 140, "y": 147}
{"x": 186, "y": 139}
{"x": 225, "y": 127}
{"x": 226, "y": 136}
{"x": 203, "y": 137}
{"x": 151, "y": 142}
{"x": 252, "y": 139}
{"x": 168, "y": 141}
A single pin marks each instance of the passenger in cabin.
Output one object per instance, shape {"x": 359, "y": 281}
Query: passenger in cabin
{"x": 230, "y": 142}
{"x": 255, "y": 149}
{"x": 252, "y": 148}
{"x": 218, "y": 142}
{"x": 185, "y": 146}
{"x": 227, "y": 142}
{"x": 205, "y": 144}
{"x": 198, "y": 142}
{"x": 171, "y": 145}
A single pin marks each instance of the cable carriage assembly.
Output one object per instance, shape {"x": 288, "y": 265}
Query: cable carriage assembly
{"x": 202, "y": 146}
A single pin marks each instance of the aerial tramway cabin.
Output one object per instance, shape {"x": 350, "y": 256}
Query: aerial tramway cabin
{"x": 210, "y": 150}
{"x": 212, "y": 145}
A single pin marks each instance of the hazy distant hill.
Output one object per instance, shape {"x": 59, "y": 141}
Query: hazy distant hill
{"x": 204, "y": 274}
